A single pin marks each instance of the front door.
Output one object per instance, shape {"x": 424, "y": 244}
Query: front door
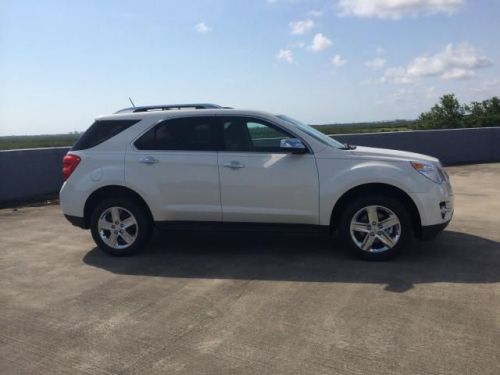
{"x": 259, "y": 181}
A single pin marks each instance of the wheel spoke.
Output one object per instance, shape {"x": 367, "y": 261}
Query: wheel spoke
{"x": 389, "y": 222}
{"x": 115, "y": 214}
{"x": 372, "y": 214}
{"x": 126, "y": 237}
{"x": 367, "y": 242}
{"x": 360, "y": 227}
{"x": 113, "y": 239}
{"x": 128, "y": 222}
{"x": 386, "y": 239}
{"x": 104, "y": 224}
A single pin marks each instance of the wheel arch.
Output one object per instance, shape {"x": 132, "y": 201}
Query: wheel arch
{"x": 375, "y": 188}
{"x": 112, "y": 191}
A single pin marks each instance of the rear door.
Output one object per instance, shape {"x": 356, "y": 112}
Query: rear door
{"x": 259, "y": 181}
{"x": 174, "y": 167}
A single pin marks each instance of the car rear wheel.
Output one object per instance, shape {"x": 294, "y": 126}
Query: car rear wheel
{"x": 376, "y": 228}
{"x": 120, "y": 227}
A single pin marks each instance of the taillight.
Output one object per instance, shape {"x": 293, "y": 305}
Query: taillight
{"x": 70, "y": 162}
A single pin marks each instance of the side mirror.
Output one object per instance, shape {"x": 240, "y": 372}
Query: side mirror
{"x": 293, "y": 145}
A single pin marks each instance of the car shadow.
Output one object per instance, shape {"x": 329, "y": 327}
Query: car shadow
{"x": 452, "y": 257}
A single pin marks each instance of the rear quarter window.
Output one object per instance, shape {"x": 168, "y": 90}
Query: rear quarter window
{"x": 100, "y": 131}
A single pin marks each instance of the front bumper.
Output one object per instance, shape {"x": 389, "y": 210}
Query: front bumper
{"x": 428, "y": 232}
{"x": 435, "y": 206}
{"x": 77, "y": 221}
{"x": 437, "y": 209}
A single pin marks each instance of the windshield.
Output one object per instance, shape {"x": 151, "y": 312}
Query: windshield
{"x": 316, "y": 134}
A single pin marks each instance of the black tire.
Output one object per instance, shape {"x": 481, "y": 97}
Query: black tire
{"x": 383, "y": 201}
{"x": 141, "y": 230}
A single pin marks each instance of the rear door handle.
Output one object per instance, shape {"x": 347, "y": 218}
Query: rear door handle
{"x": 149, "y": 160}
{"x": 234, "y": 165}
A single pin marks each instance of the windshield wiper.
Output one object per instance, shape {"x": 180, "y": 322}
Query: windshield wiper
{"x": 347, "y": 146}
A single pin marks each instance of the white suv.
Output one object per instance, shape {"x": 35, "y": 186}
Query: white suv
{"x": 204, "y": 164}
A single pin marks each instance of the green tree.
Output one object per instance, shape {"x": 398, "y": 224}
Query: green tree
{"x": 448, "y": 113}
{"x": 477, "y": 115}
{"x": 492, "y": 109}
{"x": 485, "y": 113}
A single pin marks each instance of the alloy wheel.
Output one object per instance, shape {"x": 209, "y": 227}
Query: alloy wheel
{"x": 375, "y": 229}
{"x": 118, "y": 227}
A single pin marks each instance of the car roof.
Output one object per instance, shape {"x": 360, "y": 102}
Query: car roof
{"x": 164, "y": 107}
{"x": 163, "y": 114}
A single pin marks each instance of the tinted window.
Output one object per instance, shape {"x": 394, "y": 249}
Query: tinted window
{"x": 235, "y": 134}
{"x": 316, "y": 134}
{"x": 188, "y": 134}
{"x": 101, "y": 131}
{"x": 247, "y": 134}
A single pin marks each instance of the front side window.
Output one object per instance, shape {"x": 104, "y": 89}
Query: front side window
{"x": 186, "y": 134}
{"x": 316, "y": 134}
{"x": 248, "y": 134}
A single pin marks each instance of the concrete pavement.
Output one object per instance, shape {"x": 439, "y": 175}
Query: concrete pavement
{"x": 249, "y": 303}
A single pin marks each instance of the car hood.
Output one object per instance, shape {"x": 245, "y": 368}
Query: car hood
{"x": 384, "y": 153}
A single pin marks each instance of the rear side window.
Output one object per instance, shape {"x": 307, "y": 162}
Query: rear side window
{"x": 101, "y": 131}
{"x": 186, "y": 134}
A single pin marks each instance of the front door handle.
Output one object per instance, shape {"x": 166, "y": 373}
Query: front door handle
{"x": 234, "y": 165}
{"x": 149, "y": 160}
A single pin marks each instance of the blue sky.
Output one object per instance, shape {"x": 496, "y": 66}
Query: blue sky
{"x": 64, "y": 62}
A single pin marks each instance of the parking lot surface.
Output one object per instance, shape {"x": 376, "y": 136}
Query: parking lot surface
{"x": 253, "y": 303}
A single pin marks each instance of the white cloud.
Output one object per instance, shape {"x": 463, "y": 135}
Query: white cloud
{"x": 454, "y": 62}
{"x": 401, "y": 95}
{"x": 286, "y": 55}
{"x": 300, "y": 27}
{"x": 202, "y": 28}
{"x": 397, "y": 75}
{"x": 493, "y": 84}
{"x": 299, "y": 44}
{"x": 338, "y": 61}
{"x": 320, "y": 43}
{"x": 396, "y": 9}
{"x": 316, "y": 13}
{"x": 376, "y": 63}
{"x": 415, "y": 98}
{"x": 487, "y": 88}
{"x": 448, "y": 62}
{"x": 458, "y": 73}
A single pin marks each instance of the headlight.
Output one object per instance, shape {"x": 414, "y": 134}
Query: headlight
{"x": 428, "y": 170}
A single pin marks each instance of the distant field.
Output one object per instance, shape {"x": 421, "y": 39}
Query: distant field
{"x": 62, "y": 140}
{"x": 37, "y": 141}
{"x": 367, "y": 127}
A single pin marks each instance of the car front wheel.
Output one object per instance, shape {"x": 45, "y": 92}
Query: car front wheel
{"x": 376, "y": 228}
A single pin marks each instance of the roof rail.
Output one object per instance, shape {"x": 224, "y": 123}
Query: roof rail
{"x": 166, "y": 107}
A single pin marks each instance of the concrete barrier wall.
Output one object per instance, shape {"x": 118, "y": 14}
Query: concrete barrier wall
{"x": 28, "y": 174}
{"x": 451, "y": 146}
